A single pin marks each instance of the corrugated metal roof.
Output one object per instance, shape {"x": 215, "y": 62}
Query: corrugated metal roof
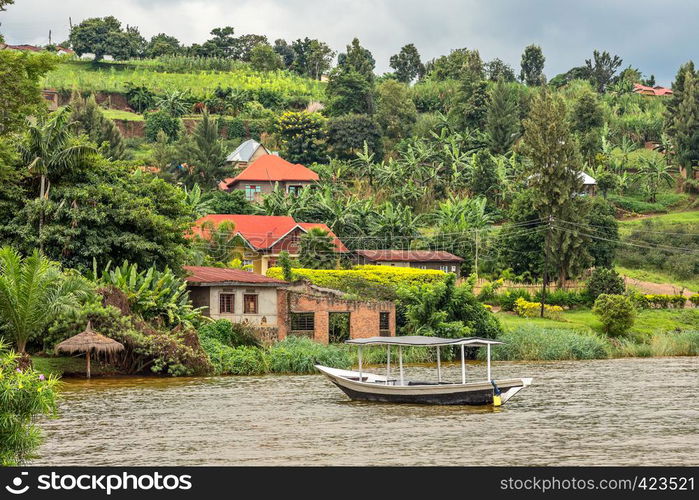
{"x": 201, "y": 274}
{"x": 244, "y": 152}
{"x": 409, "y": 256}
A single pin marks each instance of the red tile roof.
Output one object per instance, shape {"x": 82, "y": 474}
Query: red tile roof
{"x": 409, "y": 256}
{"x": 272, "y": 168}
{"x": 32, "y": 48}
{"x": 199, "y": 274}
{"x": 263, "y": 231}
{"x": 644, "y": 89}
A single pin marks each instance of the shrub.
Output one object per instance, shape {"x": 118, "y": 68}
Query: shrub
{"x": 658, "y": 301}
{"x": 606, "y": 281}
{"x": 25, "y": 394}
{"x": 508, "y": 298}
{"x": 372, "y": 282}
{"x": 563, "y": 298}
{"x": 527, "y": 309}
{"x": 694, "y": 299}
{"x": 616, "y": 312}
{"x": 300, "y": 354}
{"x": 161, "y": 120}
{"x": 229, "y": 333}
{"x": 241, "y": 360}
{"x": 534, "y": 343}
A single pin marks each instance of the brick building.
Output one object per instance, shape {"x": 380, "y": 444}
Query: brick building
{"x": 278, "y": 309}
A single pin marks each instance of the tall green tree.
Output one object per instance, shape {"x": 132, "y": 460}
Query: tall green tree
{"x": 395, "y": 110}
{"x": 33, "y": 292}
{"x": 459, "y": 64}
{"x": 205, "y": 155}
{"x": 685, "y": 126}
{"x": 673, "y": 103}
{"x": 20, "y": 92}
{"x": 602, "y": 68}
{"x": 163, "y": 45}
{"x": 532, "y": 66}
{"x": 264, "y": 58}
{"x": 497, "y": 70}
{"x": 301, "y": 135}
{"x": 104, "y": 36}
{"x": 317, "y": 250}
{"x": 347, "y": 135}
{"x": 349, "y": 92}
{"x": 502, "y": 119}
{"x": 357, "y": 59}
{"x": 50, "y": 150}
{"x": 586, "y": 121}
{"x": 554, "y": 176}
{"x": 471, "y": 104}
{"x": 87, "y": 118}
{"x": 407, "y": 64}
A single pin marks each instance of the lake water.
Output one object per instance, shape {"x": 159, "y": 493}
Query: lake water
{"x": 605, "y": 412}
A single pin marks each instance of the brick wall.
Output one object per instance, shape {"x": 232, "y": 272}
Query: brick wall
{"x": 364, "y": 315}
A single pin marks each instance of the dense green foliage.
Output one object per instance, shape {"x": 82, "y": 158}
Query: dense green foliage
{"x": 616, "y": 312}
{"x": 25, "y": 395}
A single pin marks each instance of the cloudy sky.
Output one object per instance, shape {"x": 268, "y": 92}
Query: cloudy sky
{"x": 655, "y": 37}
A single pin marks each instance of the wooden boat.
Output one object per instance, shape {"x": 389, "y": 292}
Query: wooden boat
{"x": 362, "y": 386}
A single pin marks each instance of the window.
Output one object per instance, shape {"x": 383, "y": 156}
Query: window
{"x": 384, "y": 323}
{"x": 249, "y": 304}
{"x": 294, "y": 190}
{"x": 453, "y": 269}
{"x": 247, "y": 262}
{"x": 251, "y": 192}
{"x": 226, "y": 303}
{"x": 303, "y": 321}
{"x": 444, "y": 268}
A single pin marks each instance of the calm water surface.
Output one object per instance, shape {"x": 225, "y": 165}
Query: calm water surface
{"x": 606, "y": 412}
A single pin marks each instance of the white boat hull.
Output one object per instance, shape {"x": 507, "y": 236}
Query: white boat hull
{"x": 373, "y": 387}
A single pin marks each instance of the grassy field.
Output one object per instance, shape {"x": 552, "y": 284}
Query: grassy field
{"x": 659, "y": 277}
{"x": 648, "y": 322}
{"x": 114, "y": 77}
{"x": 690, "y": 217}
{"x": 116, "y": 114}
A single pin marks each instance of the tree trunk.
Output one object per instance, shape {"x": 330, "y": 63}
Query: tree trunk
{"x": 87, "y": 355}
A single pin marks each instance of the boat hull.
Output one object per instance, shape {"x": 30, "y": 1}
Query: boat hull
{"x": 375, "y": 388}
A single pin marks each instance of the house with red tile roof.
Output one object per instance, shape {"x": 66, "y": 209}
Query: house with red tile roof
{"x": 268, "y": 171}
{"x": 654, "y": 91}
{"x": 264, "y": 236}
{"x": 421, "y": 259}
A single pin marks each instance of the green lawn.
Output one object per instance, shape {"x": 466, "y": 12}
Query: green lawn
{"x": 116, "y": 114}
{"x": 648, "y": 321}
{"x": 691, "y": 217}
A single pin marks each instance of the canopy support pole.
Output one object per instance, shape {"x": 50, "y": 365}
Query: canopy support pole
{"x": 359, "y": 355}
{"x": 400, "y": 362}
{"x": 489, "y": 362}
{"x": 463, "y": 365}
{"x": 87, "y": 354}
{"x": 439, "y": 367}
{"x": 388, "y": 362}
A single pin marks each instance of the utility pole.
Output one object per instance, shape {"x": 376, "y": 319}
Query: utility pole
{"x": 49, "y": 37}
{"x": 547, "y": 243}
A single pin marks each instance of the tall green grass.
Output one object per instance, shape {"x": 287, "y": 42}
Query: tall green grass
{"x": 534, "y": 343}
{"x": 682, "y": 343}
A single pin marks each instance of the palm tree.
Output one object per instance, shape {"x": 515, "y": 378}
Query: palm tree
{"x": 317, "y": 250}
{"x": 33, "y": 291}
{"x": 655, "y": 172}
{"x": 49, "y": 151}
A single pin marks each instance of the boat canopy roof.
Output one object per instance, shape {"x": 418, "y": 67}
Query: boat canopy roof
{"x": 419, "y": 340}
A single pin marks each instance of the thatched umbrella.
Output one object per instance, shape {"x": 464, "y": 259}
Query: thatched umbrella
{"x": 87, "y": 342}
